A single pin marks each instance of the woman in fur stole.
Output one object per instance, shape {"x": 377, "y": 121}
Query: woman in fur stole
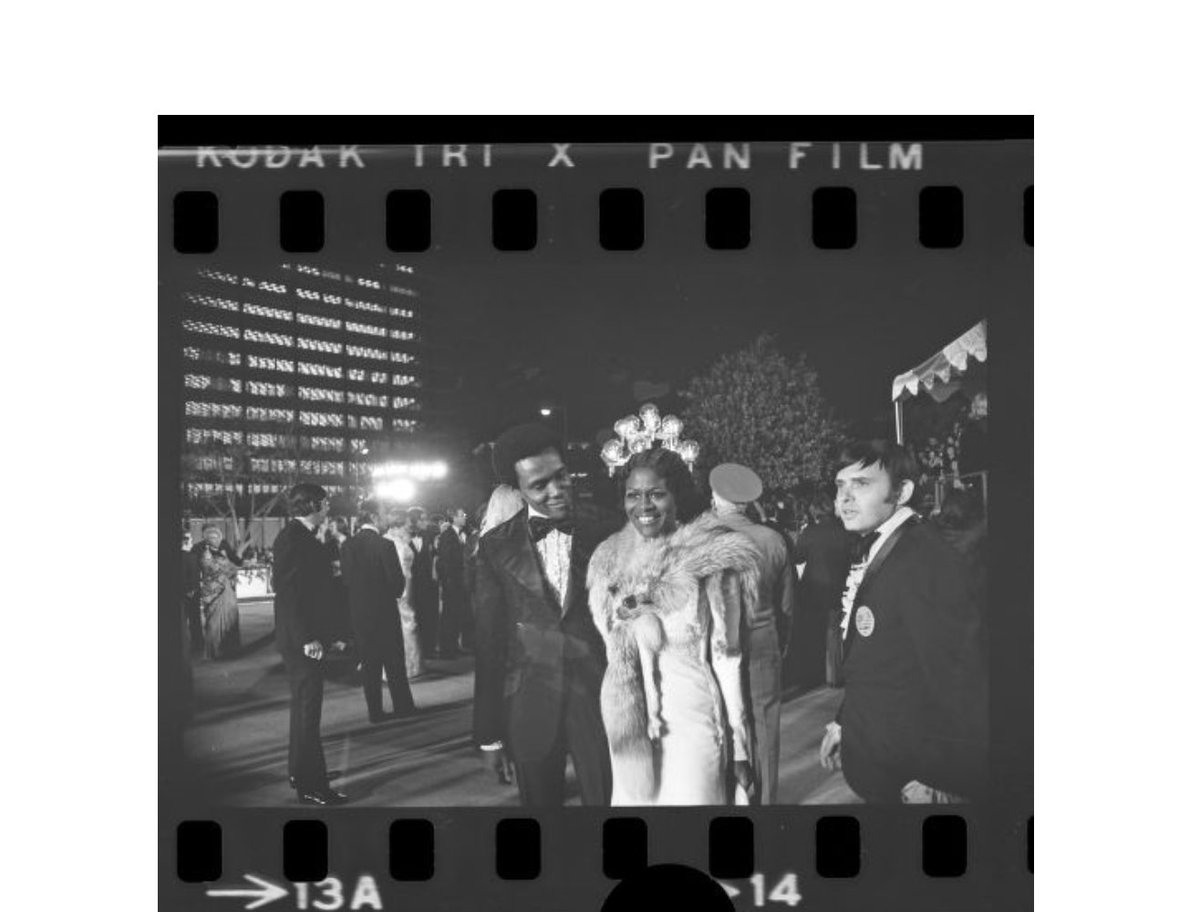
{"x": 668, "y": 592}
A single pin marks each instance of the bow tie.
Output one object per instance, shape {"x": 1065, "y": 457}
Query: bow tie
{"x": 540, "y": 527}
{"x": 861, "y": 547}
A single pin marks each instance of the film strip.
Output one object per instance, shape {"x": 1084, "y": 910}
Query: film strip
{"x": 318, "y": 304}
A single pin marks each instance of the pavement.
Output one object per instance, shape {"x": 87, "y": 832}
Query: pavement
{"x": 236, "y": 741}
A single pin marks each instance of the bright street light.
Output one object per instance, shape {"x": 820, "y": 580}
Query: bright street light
{"x": 546, "y": 413}
{"x": 401, "y": 490}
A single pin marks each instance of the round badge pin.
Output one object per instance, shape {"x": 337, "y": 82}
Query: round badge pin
{"x": 864, "y": 621}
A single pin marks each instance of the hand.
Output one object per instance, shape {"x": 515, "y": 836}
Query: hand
{"x": 314, "y": 650}
{"x": 497, "y": 761}
{"x": 744, "y": 773}
{"x": 831, "y": 748}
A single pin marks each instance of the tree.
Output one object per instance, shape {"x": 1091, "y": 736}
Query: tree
{"x": 757, "y": 408}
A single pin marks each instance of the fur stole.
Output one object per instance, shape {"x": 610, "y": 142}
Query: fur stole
{"x": 646, "y": 593}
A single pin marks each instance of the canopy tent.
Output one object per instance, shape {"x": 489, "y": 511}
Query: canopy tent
{"x": 940, "y": 375}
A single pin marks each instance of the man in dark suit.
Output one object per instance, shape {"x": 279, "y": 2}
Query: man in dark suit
{"x": 450, "y": 570}
{"x": 912, "y": 726}
{"x": 424, "y": 594}
{"x": 373, "y": 578}
{"x": 824, "y": 549}
{"x": 539, "y": 658}
{"x": 303, "y": 581}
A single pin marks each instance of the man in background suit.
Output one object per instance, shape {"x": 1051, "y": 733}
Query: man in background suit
{"x": 539, "y": 659}
{"x": 734, "y": 488}
{"x": 451, "y": 573}
{"x": 373, "y": 578}
{"x": 424, "y": 594}
{"x": 303, "y": 581}
{"x": 912, "y": 726}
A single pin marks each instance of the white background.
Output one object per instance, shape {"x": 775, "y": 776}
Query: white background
{"x": 1117, "y": 476}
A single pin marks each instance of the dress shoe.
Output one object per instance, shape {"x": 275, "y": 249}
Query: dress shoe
{"x": 404, "y": 713}
{"x": 321, "y": 797}
{"x": 330, "y": 775}
{"x": 377, "y": 718}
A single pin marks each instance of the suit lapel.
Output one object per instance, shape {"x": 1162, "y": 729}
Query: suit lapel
{"x": 519, "y": 557}
{"x": 872, "y": 571}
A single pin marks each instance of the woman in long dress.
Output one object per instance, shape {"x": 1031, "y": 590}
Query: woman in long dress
{"x": 668, "y": 596}
{"x": 218, "y": 594}
{"x": 414, "y": 662}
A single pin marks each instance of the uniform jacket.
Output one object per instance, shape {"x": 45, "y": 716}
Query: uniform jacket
{"x": 303, "y": 583}
{"x": 525, "y": 640}
{"x": 916, "y": 695}
{"x": 373, "y": 579}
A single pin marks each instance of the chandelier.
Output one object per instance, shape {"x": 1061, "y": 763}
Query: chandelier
{"x": 636, "y": 433}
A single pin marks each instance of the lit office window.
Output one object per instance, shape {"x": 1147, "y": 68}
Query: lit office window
{"x": 326, "y": 444}
{"x": 368, "y": 283}
{"x": 403, "y": 357}
{"x": 320, "y": 345}
{"x": 272, "y": 364}
{"x": 259, "y": 388}
{"x": 361, "y": 351}
{"x": 368, "y": 399}
{"x": 268, "y": 338}
{"x": 402, "y": 334}
{"x": 331, "y": 298}
{"x": 211, "y": 301}
{"x": 322, "y": 419}
{"x": 379, "y": 376}
{"x": 356, "y": 373}
{"x": 211, "y": 329}
{"x": 213, "y": 435}
{"x": 259, "y": 413}
{"x": 403, "y": 380}
{"x": 399, "y": 402}
{"x": 308, "y": 270}
{"x": 367, "y": 329}
{"x": 365, "y": 305}
{"x": 212, "y": 356}
{"x": 400, "y": 312}
{"x": 273, "y": 287}
{"x": 227, "y": 277}
{"x": 370, "y": 423}
{"x": 315, "y": 320}
{"x": 308, "y": 294}
{"x": 320, "y": 467}
{"x": 273, "y": 313}
{"x": 196, "y": 409}
{"x": 320, "y": 394}
{"x": 403, "y": 424}
{"x": 357, "y": 443}
{"x": 320, "y": 370}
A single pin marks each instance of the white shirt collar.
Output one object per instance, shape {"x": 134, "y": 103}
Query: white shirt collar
{"x": 888, "y": 526}
{"x": 535, "y": 512}
{"x": 371, "y": 526}
{"x": 310, "y": 526}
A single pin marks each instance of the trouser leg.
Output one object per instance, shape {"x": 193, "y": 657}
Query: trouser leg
{"x": 765, "y": 691}
{"x": 372, "y": 688}
{"x": 397, "y": 678}
{"x": 587, "y": 744}
{"x": 306, "y": 758}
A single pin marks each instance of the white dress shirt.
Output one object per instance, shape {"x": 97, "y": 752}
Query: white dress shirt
{"x": 855, "y": 577}
{"x": 555, "y": 553}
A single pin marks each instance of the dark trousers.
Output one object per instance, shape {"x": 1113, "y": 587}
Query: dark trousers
{"x": 373, "y": 666}
{"x": 306, "y": 758}
{"x": 425, "y": 609}
{"x": 542, "y": 781}
{"x": 765, "y": 688}
{"x": 450, "y": 625}
{"x": 195, "y": 626}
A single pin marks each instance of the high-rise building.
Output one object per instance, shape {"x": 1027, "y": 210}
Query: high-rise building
{"x": 292, "y": 373}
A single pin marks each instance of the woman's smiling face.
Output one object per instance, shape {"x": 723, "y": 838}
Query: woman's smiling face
{"x": 649, "y": 504}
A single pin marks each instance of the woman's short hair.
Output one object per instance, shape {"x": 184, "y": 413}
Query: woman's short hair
{"x": 670, "y": 467}
{"x": 209, "y": 525}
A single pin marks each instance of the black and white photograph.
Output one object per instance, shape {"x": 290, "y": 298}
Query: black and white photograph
{"x": 622, "y": 485}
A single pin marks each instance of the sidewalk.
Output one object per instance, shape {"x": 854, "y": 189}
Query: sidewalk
{"x": 238, "y": 735}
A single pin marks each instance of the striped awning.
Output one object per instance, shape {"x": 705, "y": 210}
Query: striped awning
{"x": 945, "y": 366}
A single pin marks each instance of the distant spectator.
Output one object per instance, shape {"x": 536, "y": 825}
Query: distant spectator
{"x": 219, "y": 565}
{"x": 823, "y": 548}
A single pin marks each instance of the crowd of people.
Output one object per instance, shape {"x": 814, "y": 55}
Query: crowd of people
{"x": 652, "y": 647}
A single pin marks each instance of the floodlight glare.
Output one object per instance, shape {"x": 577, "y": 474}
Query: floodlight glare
{"x": 401, "y": 490}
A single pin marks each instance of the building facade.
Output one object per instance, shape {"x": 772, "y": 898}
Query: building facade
{"x": 293, "y": 373}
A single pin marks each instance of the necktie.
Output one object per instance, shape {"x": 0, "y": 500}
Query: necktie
{"x": 861, "y": 547}
{"x": 540, "y": 527}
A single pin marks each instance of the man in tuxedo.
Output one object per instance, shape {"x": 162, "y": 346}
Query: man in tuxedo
{"x": 734, "y": 488}
{"x": 424, "y": 586}
{"x": 373, "y": 578}
{"x": 303, "y": 581}
{"x": 450, "y": 570}
{"x": 539, "y": 658}
{"x": 912, "y": 725}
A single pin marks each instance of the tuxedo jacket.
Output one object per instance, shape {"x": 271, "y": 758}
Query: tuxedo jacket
{"x": 373, "y": 579}
{"x": 303, "y": 581}
{"x": 422, "y": 585}
{"x": 526, "y": 641}
{"x": 450, "y": 560}
{"x": 915, "y": 704}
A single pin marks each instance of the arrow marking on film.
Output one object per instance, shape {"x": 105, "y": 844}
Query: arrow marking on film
{"x": 264, "y": 893}
{"x": 730, "y": 890}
